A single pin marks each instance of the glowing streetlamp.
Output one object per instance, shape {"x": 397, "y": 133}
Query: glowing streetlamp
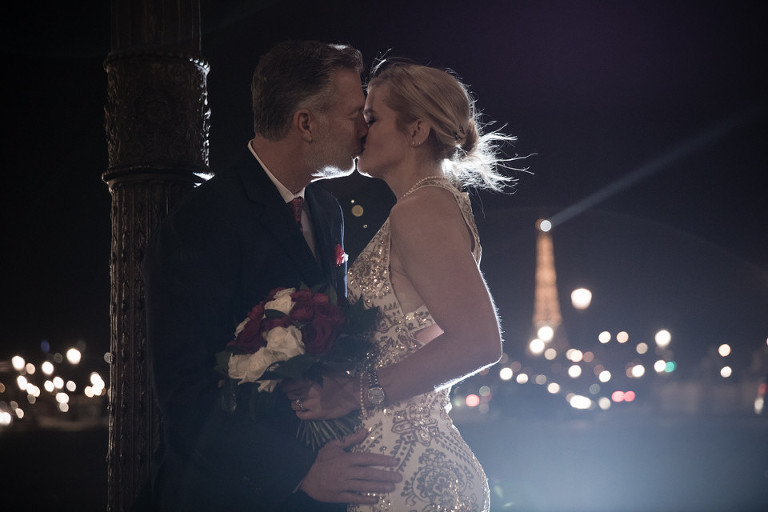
{"x": 581, "y": 298}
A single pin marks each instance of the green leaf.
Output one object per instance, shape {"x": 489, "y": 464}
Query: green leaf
{"x": 294, "y": 368}
{"x": 222, "y": 362}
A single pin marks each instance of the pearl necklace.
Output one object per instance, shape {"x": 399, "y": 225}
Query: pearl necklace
{"x": 419, "y": 183}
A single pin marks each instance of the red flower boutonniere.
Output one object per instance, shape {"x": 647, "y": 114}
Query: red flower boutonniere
{"x": 340, "y": 255}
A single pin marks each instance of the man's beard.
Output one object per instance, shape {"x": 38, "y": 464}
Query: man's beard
{"x": 332, "y": 171}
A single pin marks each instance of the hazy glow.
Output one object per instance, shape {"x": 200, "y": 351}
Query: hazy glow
{"x": 5, "y": 418}
{"x": 553, "y": 387}
{"x": 71, "y": 386}
{"x": 588, "y": 357}
{"x": 550, "y": 354}
{"x": 604, "y": 403}
{"x": 662, "y": 338}
{"x": 617, "y": 396}
{"x": 47, "y": 367}
{"x": 604, "y": 376}
{"x": 18, "y": 363}
{"x": 574, "y": 371}
{"x": 108, "y": 357}
{"x": 30, "y": 368}
{"x": 522, "y": 378}
{"x": 594, "y": 389}
{"x": 484, "y": 391}
{"x": 536, "y": 346}
{"x": 472, "y": 400}
{"x": 22, "y": 382}
{"x": 638, "y": 371}
{"x": 724, "y": 350}
{"x": 604, "y": 337}
{"x": 58, "y": 382}
{"x": 62, "y": 398}
{"x": 581, "y": 298}
{"x": 505, "y": 373}
{"x": 63, "y": 407}
{"x": 642, "y": 348}
{"x": 580, "y": 402}
{"x": 88, "y": 391}
{"x": 671, "y": 365}
{"x": 74, "y": 355}
{"x": 660, "y": 366}
{"x": 19, "y": 412}
{"x": 574, "y": 355}
{"x": 726, "y": 371}
{"x": 546, "y": 333}
{"x": 622, "y": 337}
{"x": 540, "y": 379}
{"x": 48, "y": 385}
{"x": 544, "y": 225}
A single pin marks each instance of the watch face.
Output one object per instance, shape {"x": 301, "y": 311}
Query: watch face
{"x": 375, "y": 395}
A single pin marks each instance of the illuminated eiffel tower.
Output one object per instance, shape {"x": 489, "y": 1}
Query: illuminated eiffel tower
{"x": 547, "y": 319}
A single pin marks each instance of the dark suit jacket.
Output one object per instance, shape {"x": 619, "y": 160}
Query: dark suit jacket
{"x": 229, "y": 243}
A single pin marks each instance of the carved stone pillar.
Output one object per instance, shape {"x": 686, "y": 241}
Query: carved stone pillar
{"x": 157, "y": 124}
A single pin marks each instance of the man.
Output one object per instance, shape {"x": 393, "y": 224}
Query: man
{"x": 220, "y": 253}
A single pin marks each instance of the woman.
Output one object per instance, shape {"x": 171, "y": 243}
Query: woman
{"x": 437, "y": 322}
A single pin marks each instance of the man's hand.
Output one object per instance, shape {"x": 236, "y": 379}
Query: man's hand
{"x": 339, "y": 476}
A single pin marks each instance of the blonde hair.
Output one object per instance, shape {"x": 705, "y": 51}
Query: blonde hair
{"x": 469, "y": 157}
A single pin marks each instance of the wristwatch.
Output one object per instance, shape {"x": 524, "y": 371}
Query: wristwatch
{"x": 376, "y": 395}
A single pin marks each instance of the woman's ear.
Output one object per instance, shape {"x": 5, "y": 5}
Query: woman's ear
{"x": 419, "y": 131}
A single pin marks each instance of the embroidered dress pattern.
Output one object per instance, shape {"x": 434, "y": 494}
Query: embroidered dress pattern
{"x": 440, "y": 472}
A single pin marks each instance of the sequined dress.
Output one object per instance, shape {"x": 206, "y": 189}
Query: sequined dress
{"x": 440, "y": 472}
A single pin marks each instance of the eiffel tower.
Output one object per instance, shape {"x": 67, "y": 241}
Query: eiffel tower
{"x": 546, "y": 306}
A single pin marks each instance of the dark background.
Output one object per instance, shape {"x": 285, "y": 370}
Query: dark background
{"x": 595, "y": 90}
{"x": 662, "y": 102}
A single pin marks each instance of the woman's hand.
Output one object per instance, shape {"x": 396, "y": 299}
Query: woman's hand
{"x": 337, "y": 397}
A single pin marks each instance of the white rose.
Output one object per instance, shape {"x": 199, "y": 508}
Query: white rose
{"x": 241, "y": 326}
{"x": 285, "y": 342}
{"x": 250, "y": 367}
{"x": 284, "y": 292}
{"x": 282, "y": 301}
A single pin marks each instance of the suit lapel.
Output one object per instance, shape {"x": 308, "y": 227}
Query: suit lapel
{"x": 276, "y": 218}
{"x": 322, "y": 227}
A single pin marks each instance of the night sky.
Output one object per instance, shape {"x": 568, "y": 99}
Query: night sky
{"x": 668, "y": 95}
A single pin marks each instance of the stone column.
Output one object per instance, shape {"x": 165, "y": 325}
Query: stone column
{"x": 157, "y": 124}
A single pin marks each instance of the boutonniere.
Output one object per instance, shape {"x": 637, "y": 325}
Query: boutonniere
{"x": 340, "y": 255}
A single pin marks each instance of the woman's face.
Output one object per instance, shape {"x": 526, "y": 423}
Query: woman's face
{"x": 385, "y": 146}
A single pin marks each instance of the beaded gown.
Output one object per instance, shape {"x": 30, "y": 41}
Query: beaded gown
{"x": 440, "y": 472}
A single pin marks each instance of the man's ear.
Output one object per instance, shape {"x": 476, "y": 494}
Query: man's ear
{"x": 302, "y": 123}
{"x": 419, "y": 131}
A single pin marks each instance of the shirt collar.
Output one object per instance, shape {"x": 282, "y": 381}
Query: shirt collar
{"x": 286, "y": 194}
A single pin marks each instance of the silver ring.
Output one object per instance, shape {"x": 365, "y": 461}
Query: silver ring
{"x": 299, "y": 405}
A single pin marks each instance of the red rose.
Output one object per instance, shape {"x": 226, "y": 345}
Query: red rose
{"x": 340, "y": 255}
{"x": 302, "y": 311}
{"x": 319, "y": 334}
{"x": 320, "y": 298}
{"x": 250, "y": 340}
{"x": 303, "y": 306}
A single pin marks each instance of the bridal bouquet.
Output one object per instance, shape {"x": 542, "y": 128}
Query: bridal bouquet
{"x": 297, "y": 334}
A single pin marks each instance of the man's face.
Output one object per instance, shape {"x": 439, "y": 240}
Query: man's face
{"x": 341, "y": 128}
